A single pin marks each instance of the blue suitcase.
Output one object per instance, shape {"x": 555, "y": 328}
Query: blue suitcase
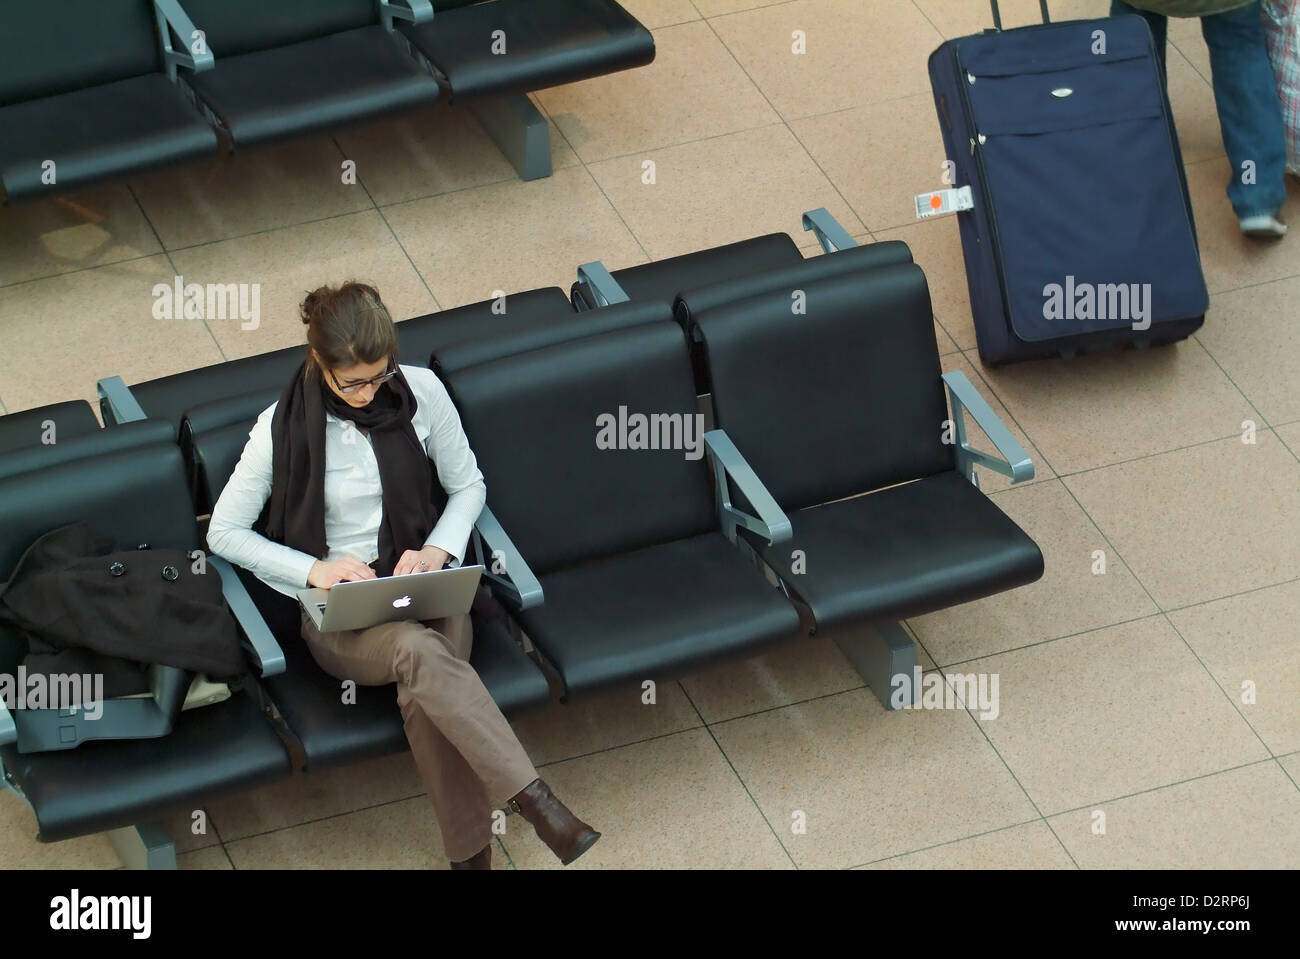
{"x": 1080, "y": 235}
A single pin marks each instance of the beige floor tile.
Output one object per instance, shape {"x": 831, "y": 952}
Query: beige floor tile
{"x": 1252, "y": 333}
{"x": 991, "y": 481}
{"x": 287, "y": 263}
{"x": 959, "y": 18}
{"x": 397, "y": 835}
{"x": 72, "y": 232}
{"x": 212, "y": 858}
{"x": 190, "y": 832}
{"x": 856, "y": 52}
{"x": 717, "y": 8}
{"x": 319, "y": 794}
{"x": 1185, "y": 35}
{"x": 59, "y": 335}
{"x": 512, "y": 236}
{"x": 1195, "y": 116}
{"x": 1069, "y": 598}
{"x": 661, "y": 13}
{"x": 1290, "y": 435}
{"x": 1110, "y": 713}
{"x": 879, "y": 156}
{"x": 1252, "y": 639}
{"x": 1229, "y": 259}
{"x": 1241, "y": 819}
{"x": 1291, "y": 765}
{"x": 613, "y": 719}
{"x": 1027, "y": 846}
{"x": 432, "y": 152}
{"x": 20, "y": 850}
{"x": 1201, "y": 523}
{"x": 936, "y": 248}
{"x": 236, "y": 194}
{"x": 691, "y": 66}
{"x": 719, "y": 191}
{"x": 803, "y": 669}
{"x": 870, "y": 783}
{"x": 1093, "y": 411}
{"x": 672, "y": 803}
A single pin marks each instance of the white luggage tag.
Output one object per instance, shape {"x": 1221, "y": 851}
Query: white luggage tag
{"x": 943, "y": 201}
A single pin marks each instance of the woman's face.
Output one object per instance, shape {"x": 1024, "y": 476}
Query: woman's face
{"x": 359, "y": 376}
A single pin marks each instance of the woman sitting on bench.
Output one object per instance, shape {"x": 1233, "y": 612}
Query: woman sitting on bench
{"x": 335, "y": 485}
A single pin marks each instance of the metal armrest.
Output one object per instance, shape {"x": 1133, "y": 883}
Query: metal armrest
{"x": 417, "y": 11}
{"x": 1015, "y": 463}
{"x": 122, "y": 405}
{"x": 8, "y": 729}
{"x": 261, "y": 641}
{"x": 171, "y": 16}
{"x": 602, "y": 285}
{"x": 771, "y": 523}
{"x": 491, "y": 544}
{"x": 828, "y": 231}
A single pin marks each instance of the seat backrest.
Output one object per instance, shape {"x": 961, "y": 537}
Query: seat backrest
{"x": 67, "y": 449}
{"x": 47, "y": 48}
{"x": 30, "y": 428}
{"x": 664, "y": 279}
{"x": 843, "y": 400}
{"x": 234, "y": 27}
{"x": 537, "y": 423}
{"x": 789, "y": 278}
{"x": 135, "y": 495}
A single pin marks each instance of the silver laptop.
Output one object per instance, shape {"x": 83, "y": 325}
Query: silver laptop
{"x": 370, "y": 602}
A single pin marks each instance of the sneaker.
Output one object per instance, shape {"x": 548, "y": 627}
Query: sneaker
{"x": 1262, "y": 224}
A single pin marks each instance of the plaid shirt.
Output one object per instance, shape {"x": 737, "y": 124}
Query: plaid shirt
{"x": 1282, "y": 26}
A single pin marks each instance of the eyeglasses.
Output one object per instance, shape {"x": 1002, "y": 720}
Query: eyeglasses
{"x": 376, "y": 382}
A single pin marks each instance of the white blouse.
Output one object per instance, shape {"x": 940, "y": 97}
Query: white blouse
{"x": 353, "y": 497}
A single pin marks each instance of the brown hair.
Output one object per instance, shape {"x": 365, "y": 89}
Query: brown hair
{"x": 347, "y": 325}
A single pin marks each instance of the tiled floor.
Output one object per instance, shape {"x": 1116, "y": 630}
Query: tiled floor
{"x": 1159, "y": 698}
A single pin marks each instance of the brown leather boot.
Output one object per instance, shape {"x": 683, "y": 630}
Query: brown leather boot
{"x": 567, "y": 835}
{"x": 480, "y": 860}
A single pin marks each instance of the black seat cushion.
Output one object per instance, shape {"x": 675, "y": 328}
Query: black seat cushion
{"x": 547, "y": 44}
{"x": 842, "y": 400}
{"x": 313, "y": 85}
{"x": 533, "y": 421}
{"x": 789, "y": 278}
{"x": 904, "y": 551}
{"x": 210, "y": 752}
{"x": 97, "y": 133}
{"x": 664, "y": 279}
{"x": 422, "y": 336}
{"x": 68, "y": 448}
{"x": 659, "y": 613}
{"x": 26, "y": 428}
{"x": 522, "y": 337}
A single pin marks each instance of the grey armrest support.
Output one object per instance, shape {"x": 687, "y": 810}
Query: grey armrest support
{"x": 270, "y": 657}
{"x": 602, "y": 285}
{"x": 771, "y": 523}
{"x": 169, "y": 14}
{"x": 828, "y": 231}
{"x": 122, "y": 405}
{"x": 8, "y": 730}
{"x": 495, "y": 550}
{"x": 1015, "y": 463}
{"x": 417, "y": 11}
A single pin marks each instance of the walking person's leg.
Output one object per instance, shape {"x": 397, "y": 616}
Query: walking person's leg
{"x": 1250, "y": 117}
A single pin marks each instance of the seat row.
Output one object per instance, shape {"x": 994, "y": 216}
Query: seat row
{"x": 622, "y": 552}
{"x": 164, "y": 81}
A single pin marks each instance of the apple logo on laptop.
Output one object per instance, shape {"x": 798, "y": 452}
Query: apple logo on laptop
{"x": 399, "y": 603}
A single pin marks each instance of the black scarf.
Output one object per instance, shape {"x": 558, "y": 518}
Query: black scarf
{"x": 295, "y": 513}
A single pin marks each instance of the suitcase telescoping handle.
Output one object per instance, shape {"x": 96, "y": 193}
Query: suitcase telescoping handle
{"x": 997, "y": 16}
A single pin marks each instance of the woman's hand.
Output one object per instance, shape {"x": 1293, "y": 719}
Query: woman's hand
{"x": 420, "y": 560}
{"x": 324, "y": 575}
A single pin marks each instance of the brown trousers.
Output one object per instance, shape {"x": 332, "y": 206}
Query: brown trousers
{"x": 467, "y": 754}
